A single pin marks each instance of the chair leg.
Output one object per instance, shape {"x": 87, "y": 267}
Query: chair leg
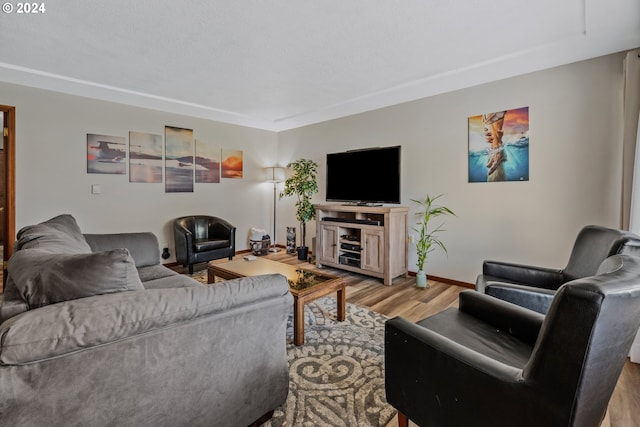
{"x": 190, "y": 268}
{"x": 403, "y": 421}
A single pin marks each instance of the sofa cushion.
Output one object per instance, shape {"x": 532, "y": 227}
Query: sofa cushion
{"x": 153, "y": 272}
{"x": 57, "y": 235}
{"x": 179, "y": 281}
{"x": 44, "y": 278}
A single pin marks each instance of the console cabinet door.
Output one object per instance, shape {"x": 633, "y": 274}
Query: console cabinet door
{"x": 329, "y": 244}
{"x": 373, "y": 250}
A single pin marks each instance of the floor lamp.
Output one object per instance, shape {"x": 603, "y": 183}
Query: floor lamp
{"x": 275, "y": 174}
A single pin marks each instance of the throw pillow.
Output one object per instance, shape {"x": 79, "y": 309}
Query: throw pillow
{"x": 43, "y": 278}
{"x": 60, "y": 234}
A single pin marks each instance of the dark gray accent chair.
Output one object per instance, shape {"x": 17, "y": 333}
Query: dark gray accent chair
{"x": 534, "y": 287}
{"x": 201, "y": 238}
{"x": 493, "y": 363}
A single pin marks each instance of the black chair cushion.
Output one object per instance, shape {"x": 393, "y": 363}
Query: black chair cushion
{"x": 480, "y": 337}
{"x": 204, "y": 245}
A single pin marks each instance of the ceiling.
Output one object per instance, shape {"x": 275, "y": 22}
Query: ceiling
{"x": 281, "y": 64}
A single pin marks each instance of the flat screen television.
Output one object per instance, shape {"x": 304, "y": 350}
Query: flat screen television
{"x": 367, "y": 176}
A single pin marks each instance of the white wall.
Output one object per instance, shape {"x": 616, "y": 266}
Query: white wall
{"x": 52, "y": 178}
{"x": 575, "y": 172}
{"x": 575, "y": 164}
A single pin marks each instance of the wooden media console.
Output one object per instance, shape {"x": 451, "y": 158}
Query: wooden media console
{"x": 369, "y": 240}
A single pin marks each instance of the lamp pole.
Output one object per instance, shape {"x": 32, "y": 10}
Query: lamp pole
{"x": 273, "y": 247}
{"x": 276, "y": 175}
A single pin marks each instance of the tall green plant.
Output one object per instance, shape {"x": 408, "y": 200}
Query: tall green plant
{"x": 303, "y": 185}
{"x": 428, "y": 239}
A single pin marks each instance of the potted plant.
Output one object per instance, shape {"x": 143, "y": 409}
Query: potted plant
{"x": 303, "y": 185}
{"x": 428, "y": 240}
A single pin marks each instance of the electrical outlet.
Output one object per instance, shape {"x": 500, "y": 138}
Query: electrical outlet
{"x": 411, "y": 238}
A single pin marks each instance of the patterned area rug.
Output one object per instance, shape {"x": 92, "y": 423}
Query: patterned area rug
{"x": 337, "y": 376}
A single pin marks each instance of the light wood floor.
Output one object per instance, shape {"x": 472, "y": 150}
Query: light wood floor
{"x": 404, "y": 299}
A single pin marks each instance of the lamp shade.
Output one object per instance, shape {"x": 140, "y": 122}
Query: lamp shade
{"x": 275, "y": 174}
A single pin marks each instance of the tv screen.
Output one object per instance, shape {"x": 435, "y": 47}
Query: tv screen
{"x": 365, "y": 176}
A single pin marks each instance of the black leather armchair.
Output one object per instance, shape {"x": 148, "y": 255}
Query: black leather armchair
{"x": 493, "y": 363}
{"x": 201, "y": 238}
{"x": 534, "y": 287}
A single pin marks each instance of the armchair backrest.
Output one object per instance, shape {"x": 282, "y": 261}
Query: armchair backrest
{"x": 593, "y": 245}
{"x": 203, "y": 226}
{"x": 585, "y": 339}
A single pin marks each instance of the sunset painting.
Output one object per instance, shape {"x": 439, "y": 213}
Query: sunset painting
{"x": 231, "y": 163}
{"x": 499, "y": 146}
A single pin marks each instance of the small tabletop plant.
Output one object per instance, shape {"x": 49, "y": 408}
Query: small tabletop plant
{"x": 303, "y": 185}
{"x": 428, "y": 240}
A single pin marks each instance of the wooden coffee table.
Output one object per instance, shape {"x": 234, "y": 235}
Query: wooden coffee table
{"x": 305, "y": 285}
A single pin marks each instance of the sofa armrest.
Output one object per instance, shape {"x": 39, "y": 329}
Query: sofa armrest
{"x": 143, "y": 247}
{"x": 522, "y": 323}
{"x": 523, "y": 274}
{"x": 59, "y": 329}
{"x": 8, "y": 309}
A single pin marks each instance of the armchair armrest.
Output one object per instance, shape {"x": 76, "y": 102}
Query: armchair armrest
{"x": 404, "y": 340}
{"x": 183, "y": 241}
{"x": 437, "y": 381}
{"x": 182, "y": 229}
{"x": 536, "y": 299}
{"x": 143, "y": 247}
{"x": 221, "y": 228}
{"x": 523, "y": 274}
{"x": 520, "y": 322}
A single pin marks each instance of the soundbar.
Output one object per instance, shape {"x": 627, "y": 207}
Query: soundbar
{"x": 352, "y": 220}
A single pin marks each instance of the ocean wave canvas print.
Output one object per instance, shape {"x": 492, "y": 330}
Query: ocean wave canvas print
{"x": 178, "y": 160}
{"x": 499, "y": 146}
{"x": 207, "y": 162}
{"x": 145, "y": 157}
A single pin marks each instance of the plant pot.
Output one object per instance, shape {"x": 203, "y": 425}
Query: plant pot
{"x": 303, "y": 252}
{"x": 421, "y": 279}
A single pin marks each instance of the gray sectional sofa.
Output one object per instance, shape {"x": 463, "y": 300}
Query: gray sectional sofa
{"x": 94, "y": 331}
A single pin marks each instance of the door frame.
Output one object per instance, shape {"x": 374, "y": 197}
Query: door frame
{"x": 9, "y": 138}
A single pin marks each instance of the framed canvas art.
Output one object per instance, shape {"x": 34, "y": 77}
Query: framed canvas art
{"x": 145, "y": 157}
{"x": 207, "y": 162}
{"x": 106, "y": 154}
{"x": 499, "y": 146}
{"x": 232, "y": 164}
{"x": 178, "y": 160}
